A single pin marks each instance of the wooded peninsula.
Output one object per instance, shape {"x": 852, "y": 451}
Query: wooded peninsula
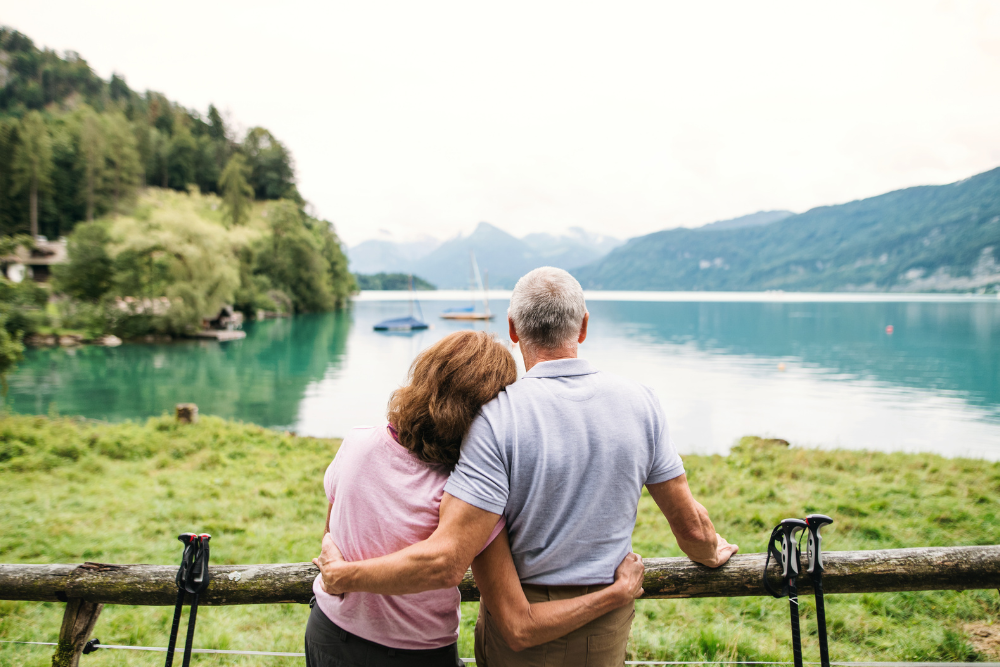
{"x": 137, "y": 216}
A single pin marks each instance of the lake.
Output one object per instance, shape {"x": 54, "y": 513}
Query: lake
{"x": 817, "y": 370}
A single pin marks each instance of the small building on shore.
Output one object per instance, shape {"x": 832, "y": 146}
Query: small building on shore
{"x": 35, "y": 263}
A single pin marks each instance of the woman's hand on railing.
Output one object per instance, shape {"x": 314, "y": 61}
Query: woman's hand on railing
{"x": 628, "y": 577}
{"x": 327, "y": 562}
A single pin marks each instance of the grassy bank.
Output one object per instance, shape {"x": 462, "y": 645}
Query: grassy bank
{"x": 75, "y": 491}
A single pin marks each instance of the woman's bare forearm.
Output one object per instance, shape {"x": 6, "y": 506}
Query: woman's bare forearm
{"x": 523, "y": 624}
{"x": 545, "y": 621}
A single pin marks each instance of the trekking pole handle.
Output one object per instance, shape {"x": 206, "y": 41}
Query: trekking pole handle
{"x": 814, "y": 545}
{"x": 790, "y": 528}
{"x": 200, "y": 577}
{"x": 193, "y": 573}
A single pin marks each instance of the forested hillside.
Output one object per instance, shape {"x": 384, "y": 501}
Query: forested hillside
{"x": 928, "y": 238}
{"x": 83, "y": 145}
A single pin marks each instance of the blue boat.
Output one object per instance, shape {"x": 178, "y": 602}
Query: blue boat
{"x": 401, "y": 324}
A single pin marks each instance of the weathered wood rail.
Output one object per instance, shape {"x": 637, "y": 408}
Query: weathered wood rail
{"x": 87, "y": 587}
{"x": 889, "y": 570}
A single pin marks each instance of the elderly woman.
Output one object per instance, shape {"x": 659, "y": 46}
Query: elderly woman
{"x": 385, "y": 488}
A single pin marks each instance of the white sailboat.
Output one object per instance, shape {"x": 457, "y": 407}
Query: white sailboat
{"x": 469, "y": 312}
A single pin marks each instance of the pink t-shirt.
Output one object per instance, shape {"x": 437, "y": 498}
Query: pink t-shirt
{"x": 384, "y": 499}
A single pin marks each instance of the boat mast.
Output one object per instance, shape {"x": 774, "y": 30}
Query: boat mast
{"x": 411, "y": 295}
{"x": 486, "y": 291}
{"x": 475, "y": 269}
{"x": 472, "y": 277}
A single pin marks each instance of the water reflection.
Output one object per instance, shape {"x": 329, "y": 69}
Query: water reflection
{"x": 933, "y": 385}
{"x": 259, "y": 379}
{"x": 950, "y": 347}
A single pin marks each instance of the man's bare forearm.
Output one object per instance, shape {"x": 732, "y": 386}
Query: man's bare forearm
{"x": 698, "y": 539}
{"x": 417, "y": 568}
{"x": 689, "y": 523}
{"x": 440, "y": 561}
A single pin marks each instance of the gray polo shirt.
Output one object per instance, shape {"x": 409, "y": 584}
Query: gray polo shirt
{"x": 563, "y": 453}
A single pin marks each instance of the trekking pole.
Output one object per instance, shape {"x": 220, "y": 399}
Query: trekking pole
{"x": 192, "y": 577}
{"x": 196, "y": 584}
{"x": 186, "y": 539}
{"x": 174, "y": 626}
{"x": 814, "y": 560}
{"x": 783, "y": 545}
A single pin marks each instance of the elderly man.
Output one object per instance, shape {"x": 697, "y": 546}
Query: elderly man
{"x": 563, "y": 454}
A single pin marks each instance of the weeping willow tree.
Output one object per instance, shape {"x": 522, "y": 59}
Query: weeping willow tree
{"x": 173, "y": 251}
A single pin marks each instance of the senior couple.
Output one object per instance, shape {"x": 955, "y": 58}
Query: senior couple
{"x": 533, "y": 482}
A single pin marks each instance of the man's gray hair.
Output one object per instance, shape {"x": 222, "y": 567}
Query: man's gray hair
{"x": 547, "y": 307}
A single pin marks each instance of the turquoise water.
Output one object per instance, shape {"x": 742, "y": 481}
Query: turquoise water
{"x": 818, "y": 373}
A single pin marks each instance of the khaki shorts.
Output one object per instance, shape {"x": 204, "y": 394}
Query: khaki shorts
{"x": 600, "y": 643}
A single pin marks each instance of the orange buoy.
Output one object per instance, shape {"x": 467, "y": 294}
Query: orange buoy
{"x": 889, "y": 330}
{"x": 781, "y": 367}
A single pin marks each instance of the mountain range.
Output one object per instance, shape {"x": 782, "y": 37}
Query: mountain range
{"x": 504, "y": 256}
{"x": 380, "y": 256}
{"x": 926, "y": 238}
{"x": 932, "y": 238}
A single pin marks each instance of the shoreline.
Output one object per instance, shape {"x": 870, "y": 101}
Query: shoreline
{"x": 696, "y": 297}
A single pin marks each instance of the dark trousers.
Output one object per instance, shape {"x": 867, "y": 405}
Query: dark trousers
{"x": 327, "y": 645}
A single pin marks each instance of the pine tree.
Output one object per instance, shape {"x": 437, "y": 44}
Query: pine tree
{"x": 92, "y": 151}
{"x": 122, "y": 156}
{"x": 32, "y": 163}
{"x": 237, "y": 193}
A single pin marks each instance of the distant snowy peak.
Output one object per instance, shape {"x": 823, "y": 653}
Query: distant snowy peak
{"x": 376, "y": 256}
{"x": 439, "y": 261}
{"x": 575, "y": 237}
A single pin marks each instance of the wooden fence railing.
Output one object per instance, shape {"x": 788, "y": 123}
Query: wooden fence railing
{"x": 88, "y": 586}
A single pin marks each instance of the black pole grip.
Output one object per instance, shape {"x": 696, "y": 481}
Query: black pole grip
{"x": 814, "y": 545}
{"x": 790, "y": 528}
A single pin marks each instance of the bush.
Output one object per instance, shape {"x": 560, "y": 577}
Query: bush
{"x": 21, "y": 322}
{"x": 11, "y": 352}
{"x": 26, "y": 293}
{"x": 89, "y": 273}
{"x": 90, "y": 318}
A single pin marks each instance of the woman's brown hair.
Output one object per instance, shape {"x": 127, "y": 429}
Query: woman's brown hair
{"x": 448, "y": 383}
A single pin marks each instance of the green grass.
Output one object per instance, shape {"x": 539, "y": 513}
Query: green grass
{"x": 73, "y": 490}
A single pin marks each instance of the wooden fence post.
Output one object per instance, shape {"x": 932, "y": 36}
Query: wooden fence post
{"x": 78, "y": 622}
{"x": 187, "y": 413}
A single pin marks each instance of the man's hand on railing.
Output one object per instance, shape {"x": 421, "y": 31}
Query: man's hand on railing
{"x": 690, "y": 524}
{"x": 328, "y": 563}
{"x": 723, "y": 551}
{"x": 629, "y": 576}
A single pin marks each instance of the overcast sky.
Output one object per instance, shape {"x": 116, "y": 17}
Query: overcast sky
{"x": 621, "y": 117}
